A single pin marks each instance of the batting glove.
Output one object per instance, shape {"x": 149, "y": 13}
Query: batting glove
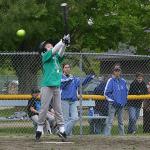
{"x": 66, "y": 39}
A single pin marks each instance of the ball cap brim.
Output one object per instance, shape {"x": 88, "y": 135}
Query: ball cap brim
{"x": 117, "y": 69}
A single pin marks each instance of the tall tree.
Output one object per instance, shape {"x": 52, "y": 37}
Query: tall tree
{"x": 114, "y": 21}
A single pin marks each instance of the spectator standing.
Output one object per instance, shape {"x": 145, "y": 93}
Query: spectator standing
{"x": 137, "y": 87}
{"x": 146, "y": 113}
{"x": 97, "y": 126}
{"x": 116, "y": 93}
{"x": 69, "y": 96}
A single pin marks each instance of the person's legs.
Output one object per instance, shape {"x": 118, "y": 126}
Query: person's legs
{"x": 73, "y": 117}
{"x": 58, "y": 109}
{"x": 120, "y": 120}
{"x": 146, "y": 121}
{"x": 99, "y": 123}
{"x": 132, "y": 119}
{"x": 65, "y": 110}
{"x": 47, "y": 128}
{"x": 35, "y": 121}
{"x": 110, "y": 119}
{"x": 51, "y": 119}
{"x": 46, "y": 96}
{"x": 98, "y": 126}
{"x": 137, "y": 114}
{"x": 103, "y": 125}
{"x": 92, "y": 126}
{"x": 102, "y": 122}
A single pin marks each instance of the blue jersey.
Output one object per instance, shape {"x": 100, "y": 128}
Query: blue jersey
{"x": 116, "y": 91}
{"x": 70, "y": 84}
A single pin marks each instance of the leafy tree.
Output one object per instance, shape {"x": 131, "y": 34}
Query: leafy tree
{"x": 41, "y": 20}
{"x": 115, "y": 21}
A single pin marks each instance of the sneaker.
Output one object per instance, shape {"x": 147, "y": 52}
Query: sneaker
{"x": 63, "y": 136}
{"x": 133, "y": 132}
{"x": 37, "y": 136}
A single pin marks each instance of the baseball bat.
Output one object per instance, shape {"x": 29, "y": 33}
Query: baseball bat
{"x": 65, "y": 17}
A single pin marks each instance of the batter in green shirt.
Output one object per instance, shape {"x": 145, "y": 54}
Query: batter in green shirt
{"x": 52, "y": 71}
{"x": 50, "y": 84}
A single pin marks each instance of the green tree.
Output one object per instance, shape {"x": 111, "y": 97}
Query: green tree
{"x": 41, "y": 20}
{"x": 114, "y": 21}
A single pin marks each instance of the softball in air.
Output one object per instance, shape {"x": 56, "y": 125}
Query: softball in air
{"x": 21, "y": 33}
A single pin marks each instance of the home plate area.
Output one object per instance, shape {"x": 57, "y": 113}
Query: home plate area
{"x": 52, "y": 142}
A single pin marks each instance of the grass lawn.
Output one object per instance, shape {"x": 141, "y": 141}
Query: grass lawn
{"x": 76, "y": 130}
{"x": 6, "y": 112}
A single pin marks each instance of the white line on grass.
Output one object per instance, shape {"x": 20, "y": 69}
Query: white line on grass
{"x": 57, "y": 142}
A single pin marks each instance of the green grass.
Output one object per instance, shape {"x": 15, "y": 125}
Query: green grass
{"x": 20, "y": 130}
{"x": 76, "y": 130}
{"x": 7, "y": 112}
{"x": 10, "y": 111}
{"x": 86, "y": 130}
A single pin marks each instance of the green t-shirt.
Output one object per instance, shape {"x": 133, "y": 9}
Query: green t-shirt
{"x": 52, "y": 71}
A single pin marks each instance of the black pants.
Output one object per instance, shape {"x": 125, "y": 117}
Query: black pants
{"x": 97, "y": 126}
{"x": 146, "y": 121}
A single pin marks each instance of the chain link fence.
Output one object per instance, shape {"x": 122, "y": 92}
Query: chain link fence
{"x": 20, "y": 72}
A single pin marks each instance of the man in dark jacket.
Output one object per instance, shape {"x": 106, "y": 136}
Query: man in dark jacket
{"x": 101, "y": 109}
{"x": 137, "y": 87}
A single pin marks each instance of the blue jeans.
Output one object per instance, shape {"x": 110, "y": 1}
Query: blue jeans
{"x": 112, "y": 111}
{"x": 134, "y": 113}
{"x": 70, "y": 114}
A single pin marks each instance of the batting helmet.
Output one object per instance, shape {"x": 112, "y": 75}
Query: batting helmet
{"x": 42, "y": 45}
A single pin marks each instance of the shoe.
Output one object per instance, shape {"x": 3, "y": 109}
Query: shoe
{"x": 133, "y": 132}
{"x": 49, "y": 131}
{"x": 37, "y": 136}
{"x": 63, "y": 136}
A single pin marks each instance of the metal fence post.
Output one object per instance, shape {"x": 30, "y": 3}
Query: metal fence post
{"x": 81, "y": 126}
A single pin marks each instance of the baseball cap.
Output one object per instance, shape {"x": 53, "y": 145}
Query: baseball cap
{"x": 117, "y": 68}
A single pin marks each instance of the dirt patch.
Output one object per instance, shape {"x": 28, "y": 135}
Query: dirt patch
{"x": 76, "y": 143}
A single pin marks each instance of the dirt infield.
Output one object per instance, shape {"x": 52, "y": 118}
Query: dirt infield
{"x": 75, "y": 143}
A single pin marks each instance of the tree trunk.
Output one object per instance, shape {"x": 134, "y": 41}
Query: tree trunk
{"x": 26, "y": 67}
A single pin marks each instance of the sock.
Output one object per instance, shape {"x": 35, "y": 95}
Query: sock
{"x": 40, "y": 128}
{"x": 62, "y": 129}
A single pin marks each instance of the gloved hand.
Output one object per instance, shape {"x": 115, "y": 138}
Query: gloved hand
{"x": 66, "y": 39}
